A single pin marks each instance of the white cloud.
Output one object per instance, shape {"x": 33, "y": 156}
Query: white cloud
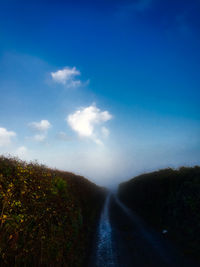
{"x": 105, "y": 131}
{"x": 84, "y": 120}
{"x": 67, "y": 77}
{"x": 41, "y": 129}
{"x": 21, "y": 151}
{"x": 39, "y": 137}
{"x": 5, "y": 137}
{"x": 41, "y": 126}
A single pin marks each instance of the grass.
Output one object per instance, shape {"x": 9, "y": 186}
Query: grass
{"x": 46, "y": 216}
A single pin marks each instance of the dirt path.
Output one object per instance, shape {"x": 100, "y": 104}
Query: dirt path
{"x": 124, "y": 240}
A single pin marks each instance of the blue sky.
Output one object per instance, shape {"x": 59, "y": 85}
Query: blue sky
{"x": 107, "y": 89}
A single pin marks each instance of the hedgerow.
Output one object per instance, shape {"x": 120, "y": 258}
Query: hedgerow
{"x": 46, "y": 216}
{"x": 169, "y": 199}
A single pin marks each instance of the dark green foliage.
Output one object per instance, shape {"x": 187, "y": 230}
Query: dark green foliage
{"x": 46, "y": 216}
{"x": 169, "y": 199}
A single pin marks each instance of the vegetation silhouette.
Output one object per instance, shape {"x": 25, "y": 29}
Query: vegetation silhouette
{"x": 47, "y": 217}
{"x": 169, "y": 200}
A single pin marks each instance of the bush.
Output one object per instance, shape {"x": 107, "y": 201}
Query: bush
{"x": 169, "y": 199}
{"x": 46, "y": 215}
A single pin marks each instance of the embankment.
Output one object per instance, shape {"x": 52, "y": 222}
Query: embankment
{"x": 47, "y": 216}
{"x": 168, "y": 200}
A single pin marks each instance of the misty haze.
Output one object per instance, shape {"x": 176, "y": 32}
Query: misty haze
{"x": 100, "y": 133}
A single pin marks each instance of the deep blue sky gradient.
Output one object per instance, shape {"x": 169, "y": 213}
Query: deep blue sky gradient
{"x": 142, "y": 59}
